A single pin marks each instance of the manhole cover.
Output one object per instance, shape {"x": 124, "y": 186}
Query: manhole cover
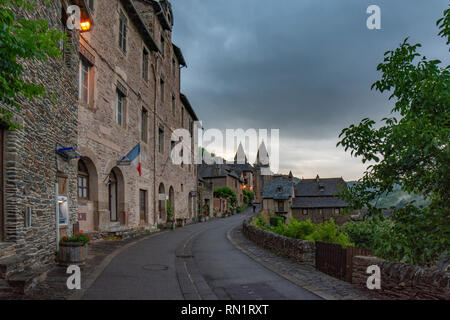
{"x": 155, "y": 267}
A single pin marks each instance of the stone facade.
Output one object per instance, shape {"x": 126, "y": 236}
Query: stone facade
{"x": 297, "y": 250}
{"x": 403, "y": 281}
{"x": 140, "y": 67}
{"x": 319, "y": 215}
{"x": 33, "y": 173}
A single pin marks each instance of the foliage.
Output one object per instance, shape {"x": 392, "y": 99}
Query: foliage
{"x": 306, "y": 230}
{"x": 79, "y": 237}
{"x": 226, "y": 193}
{"x": 240, "y": 209}
{"x": 259, "y": 221}
{"x": 22, "y": 39}
{"x": 410, "y": 149}
{"x": 368, "y": 233}
{"x": 249, "y": 196}
{"x": 276, "y": 220}
{"x": 169, "y": 210}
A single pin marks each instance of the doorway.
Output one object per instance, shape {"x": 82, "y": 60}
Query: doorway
{"x": 112, "y": 195}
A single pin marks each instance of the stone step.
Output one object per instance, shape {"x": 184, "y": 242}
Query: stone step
{"x": 23, "y": 282}
{"x": 7, "y": 250}
{"x": 11, "y": 265}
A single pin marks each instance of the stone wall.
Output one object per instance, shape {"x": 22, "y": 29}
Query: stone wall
{"x": 31, "y": 165}
{"x": 297, "y": 250}
{"x": 403, "y": 281}
{"x": 321, "y": 215}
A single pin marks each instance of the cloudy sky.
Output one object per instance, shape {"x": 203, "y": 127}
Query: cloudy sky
{"x": 302, "y": 66}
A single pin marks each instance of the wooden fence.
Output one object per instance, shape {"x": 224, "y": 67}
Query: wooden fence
{"x": 336, "y": 261}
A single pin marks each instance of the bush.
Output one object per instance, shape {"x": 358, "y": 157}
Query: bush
{"x": 306, "y": 230}
{"x": 275, "y": 221}
{"x": 259, "y": 221}
{"x": 367, "y": 233}
{"x": 249, "y": 196}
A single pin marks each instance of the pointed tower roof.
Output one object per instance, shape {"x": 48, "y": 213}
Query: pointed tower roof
{"x": 291, "y": 176}
{"x": 262, "y": 158}
{"x": 240, "y": 157}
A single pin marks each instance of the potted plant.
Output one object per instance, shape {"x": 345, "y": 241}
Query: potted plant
{"x": 170, "y": 218}
{"x": 74, "y": 249}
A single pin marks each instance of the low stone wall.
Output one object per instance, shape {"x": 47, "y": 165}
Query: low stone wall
{"x": 299, "y": 251}
{"x": 403, "y": 281}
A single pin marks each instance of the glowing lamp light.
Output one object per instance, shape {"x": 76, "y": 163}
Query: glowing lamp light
{"x": 85, "y": 26}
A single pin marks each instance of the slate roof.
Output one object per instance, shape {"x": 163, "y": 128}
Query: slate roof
{"x": 278, "y": 189}
{"x": 206, "y": 171}
{"x": 318, "y": 193}
{"x": 312, "y": 187}
{"x": 317, "y": 202}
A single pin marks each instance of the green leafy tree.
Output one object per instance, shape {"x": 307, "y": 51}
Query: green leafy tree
{"x": 411, "y": 149}
{"x": 226, "y": 193}
{"x": 22, "y": 39}
{"x": 249, "y": 196}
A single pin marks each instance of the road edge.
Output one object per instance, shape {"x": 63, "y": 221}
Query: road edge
{"x": 305, "y": 285}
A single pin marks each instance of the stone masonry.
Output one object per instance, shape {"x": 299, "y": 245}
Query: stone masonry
{"x": 103, "y": 142}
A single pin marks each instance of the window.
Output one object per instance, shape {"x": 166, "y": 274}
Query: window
{"x": 182, "y": 187}
{"x": 85, "y": 69}
{"x": 161, "y": 90}
{"x": 173, "y": 104}
{"x": 280, "y": 206}
{"x": 336, "y": 211}
{"x": 123, "y": 29}
{"x": 161, "y": 140}
{"x": 144, "y": 125}
{"x": 120, "y": 108}
{"x": 143, "y": 205}
{"x": 83, "y": 181}
{"x": 182, "y": 116}
{"x": 191, "y": 127}
{"x": 145, "y": 59}
{"x": 305, "y": 211}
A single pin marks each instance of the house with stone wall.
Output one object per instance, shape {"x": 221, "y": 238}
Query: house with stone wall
{"x": 277, "y": 196}
{"x": 130, "y": 98}
{"x": 316, "y": 199}
{"x": 38, "y": 199}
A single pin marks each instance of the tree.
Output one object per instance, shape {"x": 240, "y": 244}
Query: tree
{"x": 226, "y": 193}
{"x": 410, "y": 148}
{"x": 248, "y": 196}
{"x": 22, "y": 39}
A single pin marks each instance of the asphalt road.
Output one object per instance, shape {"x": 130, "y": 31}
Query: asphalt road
{"x": 194, "y": 262}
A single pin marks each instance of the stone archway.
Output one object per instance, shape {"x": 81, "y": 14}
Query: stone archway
{"x": 162, "y": 202}
{"x": 87, "y": 191}
{"x": 116, "y": 196}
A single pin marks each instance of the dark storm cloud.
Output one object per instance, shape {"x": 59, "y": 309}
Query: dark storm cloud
{"x": 303, "y": 66}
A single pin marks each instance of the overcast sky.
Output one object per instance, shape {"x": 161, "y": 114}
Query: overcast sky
{"x": 302, "y": 66}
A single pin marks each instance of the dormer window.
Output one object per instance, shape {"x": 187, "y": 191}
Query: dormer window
{"x": 279, "y": 189}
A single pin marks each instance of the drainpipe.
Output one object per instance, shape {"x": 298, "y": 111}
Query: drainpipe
{"x": 155, "y": 70}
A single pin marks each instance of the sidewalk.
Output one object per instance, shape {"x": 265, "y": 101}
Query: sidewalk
{"x": 99, "y": 256}
{"x": 306, "y": 276}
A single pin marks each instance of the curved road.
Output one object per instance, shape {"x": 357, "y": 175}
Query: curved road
{"x": 194, "y": 262}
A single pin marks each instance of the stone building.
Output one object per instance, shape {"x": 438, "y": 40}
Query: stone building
{"x": 262, "y": 172}
{"x": 278, "y": 195}
{"x": 38, "y": 198}
{"x": 223, "y": 175}
{"x": 130, "y": 101}
{"x": 316, "y": 199}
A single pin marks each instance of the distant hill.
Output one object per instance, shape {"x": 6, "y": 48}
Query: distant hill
{"x": 397, "y": 198}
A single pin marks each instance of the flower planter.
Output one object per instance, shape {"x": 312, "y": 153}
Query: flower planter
{"x": 72, "y": 253}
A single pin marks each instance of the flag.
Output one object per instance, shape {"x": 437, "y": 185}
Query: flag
{"x": 135, "y": 157}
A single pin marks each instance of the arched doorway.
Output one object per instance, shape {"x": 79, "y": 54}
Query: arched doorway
{"x": 162, "y": 202}
{"x": 112, "y": 196}
{"x": 116, "y": 203}
{"x": 172, "y": 201}
{"x": 87, "y": 192}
